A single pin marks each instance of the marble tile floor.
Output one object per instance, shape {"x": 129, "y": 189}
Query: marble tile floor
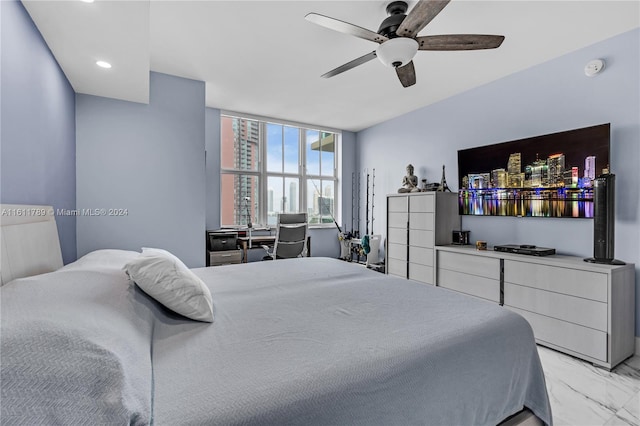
{"x": 584, "y": 395}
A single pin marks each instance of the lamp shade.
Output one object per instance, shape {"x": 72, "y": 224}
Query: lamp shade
{"x": 397, "y": 52}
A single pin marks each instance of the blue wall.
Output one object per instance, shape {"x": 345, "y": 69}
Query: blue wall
{"x": 148, "y": 159}
{"x": 212, "y": 143}
{"x": 547, "y": 98}
{"x": 37, "y": 133}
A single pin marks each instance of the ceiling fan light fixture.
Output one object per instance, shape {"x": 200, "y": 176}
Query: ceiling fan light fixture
{"x": 397, "y": 52}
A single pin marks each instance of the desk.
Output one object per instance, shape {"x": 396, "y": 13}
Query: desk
{"x": 259, "y": 240}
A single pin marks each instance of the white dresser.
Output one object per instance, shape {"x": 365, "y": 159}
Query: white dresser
{"x": 467, "y": 273}
{"x": 416, "y": 223}
{"x": 583, "y": 309}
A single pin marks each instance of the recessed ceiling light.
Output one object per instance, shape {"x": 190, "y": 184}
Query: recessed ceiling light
{"x": 103, "y": 64}
{"x": 88, "y": 1}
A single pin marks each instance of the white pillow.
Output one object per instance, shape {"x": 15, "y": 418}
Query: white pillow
{"x": 147, "y": 251}
{"x": 103, "y": 259}
{"x": 164, "y": 277}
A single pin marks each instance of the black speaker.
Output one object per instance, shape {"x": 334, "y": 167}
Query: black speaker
{"x": 604, "y": 220}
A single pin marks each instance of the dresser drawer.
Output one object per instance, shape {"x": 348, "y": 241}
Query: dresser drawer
{"x": 422, "y": 203}
{"x": 226, "y": 257}
{"x": 421, "y": 221}
{"x": 397, "y": 267}
{"x": 397, "y": 220}
{"x": 397, "y": 236}
{"x": 573, "y": 337}
{"x": 421, "y": 256}
{"x": 398, "y": 204}
{"x": 577, "y": 310}
{"x": 589, "y": 285}
{"x": 421, "y": 238}
{"x": 469, "y": 264}
{"x": 482, "y": 287}
{"x": 397, "y": 251}
{"x": 421, "y": 273}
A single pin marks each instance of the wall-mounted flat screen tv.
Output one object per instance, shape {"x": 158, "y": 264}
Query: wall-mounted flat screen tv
{"x": 543, "y": 176}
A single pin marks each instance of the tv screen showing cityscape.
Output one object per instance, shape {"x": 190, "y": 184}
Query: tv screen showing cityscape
{"x": 543, "y": 176}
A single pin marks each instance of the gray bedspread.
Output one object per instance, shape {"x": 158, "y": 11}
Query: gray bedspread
{"x": 75, "y": 347}
{"x": 303, "y": 341}
{"x": 320, "y": 341}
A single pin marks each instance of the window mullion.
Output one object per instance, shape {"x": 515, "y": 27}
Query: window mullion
{"x": 282, "y": 156}
{"x": 263, "y": 176}
{"x": 320, "y": 160}
{"x": 284, "y": 191}
{"x": 302, "y": 168}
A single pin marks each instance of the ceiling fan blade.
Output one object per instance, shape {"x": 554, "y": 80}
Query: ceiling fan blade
{"x": 459, "y": 42}
{"x": 407, "y": 74}
{"x": 352, "y": 64}
{"x": 345, "y": 27}
{"x": 421, "y": 14}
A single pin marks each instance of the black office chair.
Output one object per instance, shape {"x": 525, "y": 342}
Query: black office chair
{"x": 291, "y": 237}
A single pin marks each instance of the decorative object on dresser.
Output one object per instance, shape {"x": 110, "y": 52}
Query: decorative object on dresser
{"x": 585, "y": 310}
{"x": 416, "y": 222}
{"x": 222, "y": 248}
{"x": 409, "y": 182}
{"x": 443, "y": 187}
{"x": 430, "y": 187}
{"x": 460, "y": 237}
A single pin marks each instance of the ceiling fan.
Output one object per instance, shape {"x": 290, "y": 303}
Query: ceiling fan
{"x": 398, "y": 37}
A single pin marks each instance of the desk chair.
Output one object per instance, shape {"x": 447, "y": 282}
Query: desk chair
{"x": 291, "y": 237}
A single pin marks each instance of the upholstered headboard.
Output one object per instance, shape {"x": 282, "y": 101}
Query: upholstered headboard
{"x": 29, "y": 243}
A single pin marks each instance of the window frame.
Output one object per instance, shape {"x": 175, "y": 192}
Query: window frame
{"x": 303, "y": 178}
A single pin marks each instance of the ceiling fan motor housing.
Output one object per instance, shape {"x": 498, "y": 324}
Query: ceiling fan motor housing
{"x": 396, "y": 11}
{"x": 397, "y": 7}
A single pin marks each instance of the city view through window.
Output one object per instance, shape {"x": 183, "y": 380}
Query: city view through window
{"x": 270, "y": 168}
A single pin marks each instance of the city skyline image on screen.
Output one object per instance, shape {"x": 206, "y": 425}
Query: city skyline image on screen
{"x": 543, "y": 176}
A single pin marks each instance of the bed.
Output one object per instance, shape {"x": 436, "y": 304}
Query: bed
{"x": 297, "y": 341}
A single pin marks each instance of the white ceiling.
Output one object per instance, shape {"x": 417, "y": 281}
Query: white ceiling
{"x": 264, "y": 58}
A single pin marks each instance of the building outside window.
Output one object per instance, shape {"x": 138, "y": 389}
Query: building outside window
{"x": 269, "y": 168}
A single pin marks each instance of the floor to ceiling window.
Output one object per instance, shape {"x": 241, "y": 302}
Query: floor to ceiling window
{"x": 269, "y": 168}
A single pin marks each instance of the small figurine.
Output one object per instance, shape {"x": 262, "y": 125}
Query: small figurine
{"x": 443, "y": 183}
{"x": 409, "y": 182}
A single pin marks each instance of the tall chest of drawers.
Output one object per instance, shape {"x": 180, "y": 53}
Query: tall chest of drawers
{"x": 416, "y": 223}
